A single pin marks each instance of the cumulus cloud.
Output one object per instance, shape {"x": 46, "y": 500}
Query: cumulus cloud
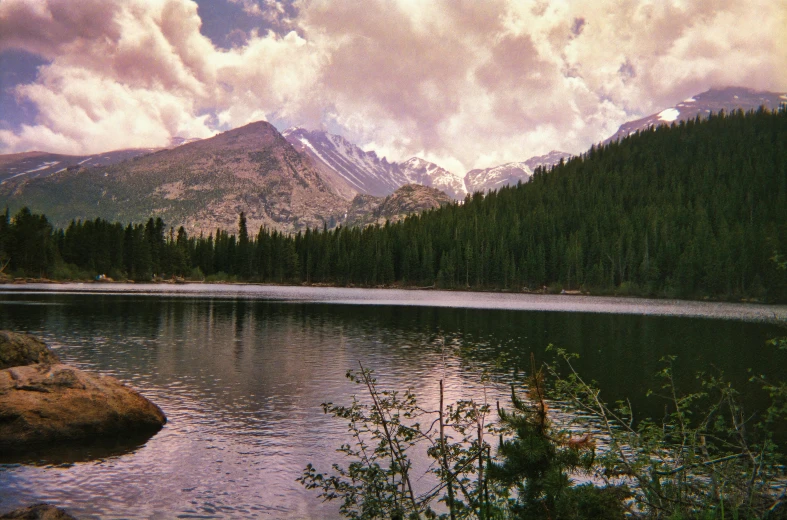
{"x": 466, "y": 84}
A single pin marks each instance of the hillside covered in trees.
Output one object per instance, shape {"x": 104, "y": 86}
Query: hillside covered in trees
{"x": 692, "y": 210}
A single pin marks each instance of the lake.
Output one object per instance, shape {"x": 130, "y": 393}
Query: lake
{"x": 241, "y": 371}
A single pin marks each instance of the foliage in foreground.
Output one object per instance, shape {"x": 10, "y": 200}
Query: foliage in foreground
{"x": 706, "y": 458}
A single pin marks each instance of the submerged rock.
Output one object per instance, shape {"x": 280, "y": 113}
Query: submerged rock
{"x": 23, "y": 349}
{"x": 42, "y": 403}
{"x": 38, "y": 512}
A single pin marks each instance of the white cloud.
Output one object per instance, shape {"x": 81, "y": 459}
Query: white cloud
{"x": 469, "y": 84}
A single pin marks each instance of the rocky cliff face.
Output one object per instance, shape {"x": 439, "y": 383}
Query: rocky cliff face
{"x": 346, "y": 164}
{"x": 360, "y": 171}
{"x": 409, "y": 199}
{"x": 365, "y": 172}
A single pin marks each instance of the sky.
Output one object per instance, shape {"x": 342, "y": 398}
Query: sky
{"x": 463, "y": 83}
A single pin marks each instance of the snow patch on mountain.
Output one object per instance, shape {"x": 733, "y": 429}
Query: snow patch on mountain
{"x": 669, "y": 115}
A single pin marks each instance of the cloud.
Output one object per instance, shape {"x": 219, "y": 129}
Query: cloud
{"x": 135, "y": 73}
{"x": 468, "y": 84}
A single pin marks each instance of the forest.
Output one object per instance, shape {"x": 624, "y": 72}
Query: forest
{"x": 691, "y": 210}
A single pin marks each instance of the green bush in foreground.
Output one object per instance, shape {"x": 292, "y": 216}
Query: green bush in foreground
{"x": 706, "y": 458}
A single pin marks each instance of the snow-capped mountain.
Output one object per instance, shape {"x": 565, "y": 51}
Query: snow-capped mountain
{"x": 365, "y": 172}
{"x": 486, "y": 179}
{"x": 419, "y": 171}
{"x": 711, "y": 101}
{"x": 368, "y": 174}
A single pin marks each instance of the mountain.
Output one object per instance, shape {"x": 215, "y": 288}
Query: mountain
{"x": 486, "y": 179}
{"x": 178, "y": 141}
{"x": 201, "y": 185}
{"x": 712, "y": 101}
{"x": 410, "y": 198}
{"x": 425, "y": 173}
{"x": 547, "y": 161}
{"x": 348, "y": 167}
{"x": 40, "y": 164}
{"x": 365, "y": 172}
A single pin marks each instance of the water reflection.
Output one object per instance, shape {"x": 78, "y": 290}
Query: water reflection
{"x": 66, "y": 454}
{"x": 241, "y": 381}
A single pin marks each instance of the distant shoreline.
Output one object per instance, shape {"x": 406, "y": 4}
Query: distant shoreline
{"x": 743, "y": 311}
{"x": 543, "y": 292}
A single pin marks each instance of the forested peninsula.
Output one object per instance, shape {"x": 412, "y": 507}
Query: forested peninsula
{"x": 692, "y": 210}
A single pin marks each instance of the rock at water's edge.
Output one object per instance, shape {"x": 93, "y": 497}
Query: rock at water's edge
{"x": 38, "y": 512}
{"x": 23, "y": 349}
{"x": 43, "y": 403}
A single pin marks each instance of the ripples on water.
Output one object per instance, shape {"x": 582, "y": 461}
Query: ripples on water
{"x": 241, "y": 378}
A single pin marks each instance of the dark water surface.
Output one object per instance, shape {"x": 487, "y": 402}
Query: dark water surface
{"x": 240, "y": 371}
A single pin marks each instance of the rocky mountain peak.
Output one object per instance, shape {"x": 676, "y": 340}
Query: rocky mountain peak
{"x": 406, "y": 200}
{"x": 364, "y": 171}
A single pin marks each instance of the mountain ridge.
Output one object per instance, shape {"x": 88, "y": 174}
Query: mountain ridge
{"x": 287, "y": 181}
{"x": 202, "y": 185}
{"x": 712, "y": 101}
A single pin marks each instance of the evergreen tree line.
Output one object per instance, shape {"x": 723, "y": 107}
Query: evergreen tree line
{"x": 690, "y": 210}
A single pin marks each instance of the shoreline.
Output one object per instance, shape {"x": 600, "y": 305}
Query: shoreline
{"x": 492, "y": 300}
{"x": 544, "y": 292}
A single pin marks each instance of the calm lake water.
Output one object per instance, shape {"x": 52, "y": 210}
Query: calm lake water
{"x": 241, "y": 371}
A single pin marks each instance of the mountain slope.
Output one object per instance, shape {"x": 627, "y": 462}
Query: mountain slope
{"x": 201, "y": 185}
{"x": 31, "y": 165}
{"x": 712, "y": 101}
{"x": 40, "y": 164}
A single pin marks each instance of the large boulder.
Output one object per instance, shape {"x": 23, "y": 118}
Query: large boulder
{"x": 23, "y": 349}
{"x": 38, "y": 512}
{"x": 44, "y": 404}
